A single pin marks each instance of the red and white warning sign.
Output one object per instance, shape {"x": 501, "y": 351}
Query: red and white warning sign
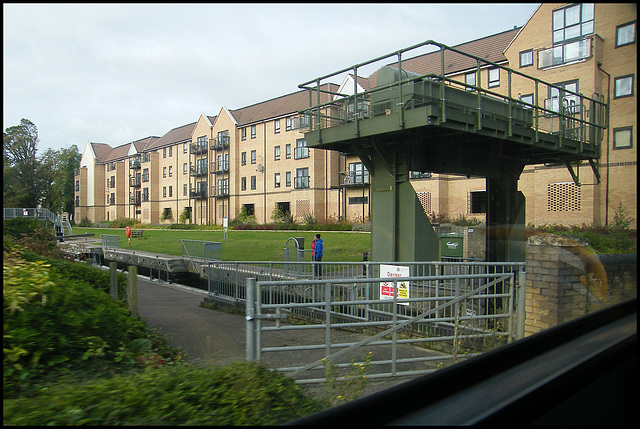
{"x": 387, "y": 289}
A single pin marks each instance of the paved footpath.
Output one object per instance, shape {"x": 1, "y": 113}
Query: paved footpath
{"x": 217, "y": 337}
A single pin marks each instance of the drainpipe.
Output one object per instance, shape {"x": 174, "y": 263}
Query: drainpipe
{"x": 606, "y": 192}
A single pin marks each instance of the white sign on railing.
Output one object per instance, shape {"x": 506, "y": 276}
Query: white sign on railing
{"x": 387, "y": 288}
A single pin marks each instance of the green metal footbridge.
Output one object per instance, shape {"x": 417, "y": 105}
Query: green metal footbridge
{"x": 416, "y": 118}
{"x": 59, "y": 223}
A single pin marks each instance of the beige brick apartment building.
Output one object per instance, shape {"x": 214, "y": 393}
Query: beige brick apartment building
{"x": 255, "y": 158}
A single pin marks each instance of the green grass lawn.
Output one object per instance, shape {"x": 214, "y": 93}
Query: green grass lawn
{"x": 339, "y": 246}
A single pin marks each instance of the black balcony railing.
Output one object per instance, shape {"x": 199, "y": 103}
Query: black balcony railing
{"x": 219, "y": 143}
{"x": 134, "y": 181}
{"x": 198, "y": 148}
{"x": 198, "y": 194}
{"x": 198, "y": 170}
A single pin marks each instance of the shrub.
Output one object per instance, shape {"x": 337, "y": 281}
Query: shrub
{"x": 236, "y": 394}
{"x": 20, "y": 227}
{"x": 123, "y": 223}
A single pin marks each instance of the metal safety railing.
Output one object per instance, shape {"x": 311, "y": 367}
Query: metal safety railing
{"x": 201, "y": 251}
{"x": 109, "y": 242}
{"x": 524, "y": 100}
{"x": 469, "y": 313}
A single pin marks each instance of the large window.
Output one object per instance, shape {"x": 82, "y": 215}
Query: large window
{"x": 623, "y": 86}
{"x": 302, "y": 178}
{"x": 560, "y": 98}
{"x": 358, "y": 173}
{"x": 276, "y": 180}
{"x": 302, "y": 151}
{"x": 477, "y": 202}
{"x": 573, "y": 22}
{"x": 626, "y": 34}
{"x": 623, "y": 138}
{"x": 223, "y": 187}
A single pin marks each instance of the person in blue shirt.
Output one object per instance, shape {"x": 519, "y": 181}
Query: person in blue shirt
{"x": 318, "y": 252}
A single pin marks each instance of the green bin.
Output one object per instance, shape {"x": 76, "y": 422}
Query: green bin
{"x": 451, "y": 245}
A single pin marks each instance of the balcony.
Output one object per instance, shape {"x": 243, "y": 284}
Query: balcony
{"x": 220, "y": 167}
{"x": 564, "y": 54}
{"x": 219, "y": 143}
{"x": 134, "y": 200}
{"x": 198, "y": 171}
{"x": 222, "y": 193}
{"x": 134, "y": 163}
{"x": 198, "y": 194}
{"x": 354, "y": 178}
{"x": 134, "y": 182}
{"x": 198, "y": 148}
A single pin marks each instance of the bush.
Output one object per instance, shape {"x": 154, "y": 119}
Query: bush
{"x": 20, "y": 227}
{"x": 236, "y": 394}
{"x": 123, "y": 223}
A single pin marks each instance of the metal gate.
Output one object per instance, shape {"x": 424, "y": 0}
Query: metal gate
{"x": 301, "y": 326}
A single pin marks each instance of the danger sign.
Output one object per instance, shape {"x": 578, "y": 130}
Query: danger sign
{"x": 387, "y": 288}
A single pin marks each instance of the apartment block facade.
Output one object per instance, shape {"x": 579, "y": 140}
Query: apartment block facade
{"x": 255, "y": 160}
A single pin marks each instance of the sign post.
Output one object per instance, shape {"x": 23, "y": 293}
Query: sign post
{"x": 387, "y": 289}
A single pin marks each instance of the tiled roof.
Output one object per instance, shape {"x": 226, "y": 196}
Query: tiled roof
{"x": 102, "y": 151}
{"x": 281, "y": 106}
{"x": 119, "y": 152}
{"x": 176, "y": 135}
{"x": 490, "y": 48}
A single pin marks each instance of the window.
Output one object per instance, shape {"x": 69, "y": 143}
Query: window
{"x": 302, "y": 151}
{"x": 253, "y": 156}
{"x": 494, "y": 77}
{"x": 253, "y": 182}
{"x": 243, "y": 133}
{"x": 112, "y": 200}
{"x": 223, "y": 187}
{"x": 558, "y": 97}
{"x": 223, "y": 162}
{"x": 145, "y": 194}
{"x": 170, "y": 151}
{"x": 287, "y": 151}
{"x": 302, "y": 178}
{"x": 470, "y": 79}
{"x": 253, "y": 131}
{"x": 572, "y": 22}
{"x": 145, "y": 175}
{"x": 184, "y": 190}
{"x": 358, "y": 174}
{"x": 249, "y": 209}
{"x": 185, "y": 147}
{"x": 243, "y": 183}
{"x": 623, "y": 138}
{"x": 527, "y": 98}
{"x": 170, "y": 191}
{"x": 164, "y": 152}
{"x": 164, "y": 171}
{"x": 626, "y": 34}
{"x": 478, "y": 202}
{"x": 287, "y": 179}
{"x": 623, "y": 86}
{"x": 276, "y": 180}
{"x": 184, "y": 168}
{"x": 358, "y": 200}
{"x": 243, "y": 158}
{"x": 526, "y": 58}
{"x": 164, "y": 191}
{"x": 77, "y": 185}
{"x": 288, "y": 124}
{"x": 171, "y": 171}
{"x": 276, "y": 126}
{"x": 276, "y": 153}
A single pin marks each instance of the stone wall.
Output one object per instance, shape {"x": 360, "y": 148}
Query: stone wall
{"x": 565, "y": 279}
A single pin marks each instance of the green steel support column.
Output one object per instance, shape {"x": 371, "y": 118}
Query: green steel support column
{"x": 505, "y": 220}
{"x": 400, "y": 229}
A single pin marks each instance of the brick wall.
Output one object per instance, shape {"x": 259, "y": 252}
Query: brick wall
{"x": 566, "y": 280}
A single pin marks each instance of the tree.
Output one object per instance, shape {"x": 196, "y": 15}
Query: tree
{"x": 20, "y": 179}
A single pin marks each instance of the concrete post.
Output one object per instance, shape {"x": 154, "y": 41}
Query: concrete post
{"x": 132, "y": 292}
{"x": 250, "y": 317}
{"x": 113, "y": 280}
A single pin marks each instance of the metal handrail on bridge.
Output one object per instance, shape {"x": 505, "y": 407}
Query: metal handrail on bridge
{"x": 578, "y": 115}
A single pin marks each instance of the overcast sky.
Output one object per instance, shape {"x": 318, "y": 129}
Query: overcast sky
{"x": 115, "y": 73}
